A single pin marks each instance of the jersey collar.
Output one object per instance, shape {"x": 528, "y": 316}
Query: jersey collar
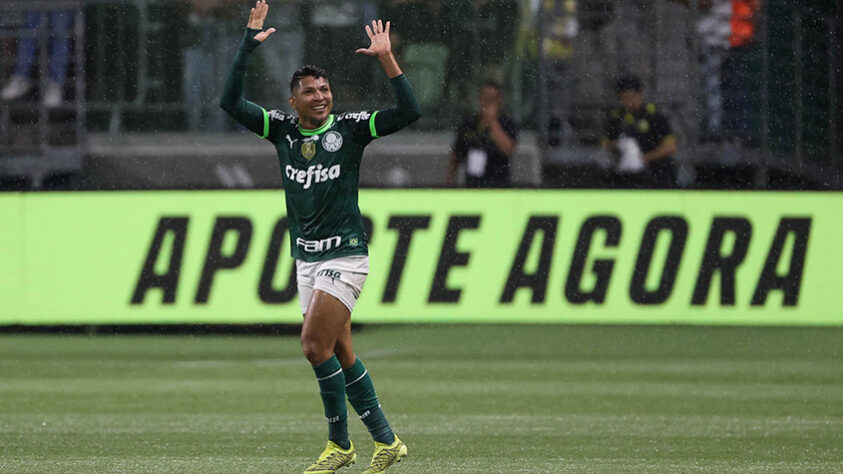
{"x": 326, "y": 126}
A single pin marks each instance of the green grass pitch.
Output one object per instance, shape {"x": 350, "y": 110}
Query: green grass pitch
{"x": 464, "y": 398}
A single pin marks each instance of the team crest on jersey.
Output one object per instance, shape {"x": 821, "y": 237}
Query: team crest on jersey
{"x": 308, "y": 149}
{"x": 332, "y": 141}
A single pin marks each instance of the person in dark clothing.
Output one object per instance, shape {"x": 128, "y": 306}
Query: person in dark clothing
{"x": 642, "y": 138}
{"x": 485, "y": 143}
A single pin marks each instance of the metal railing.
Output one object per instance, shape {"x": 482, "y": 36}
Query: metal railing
{"x": 136, "y": 67}
{"x": 41, "y": 136}
{"x": 558, "y": 72}
{"x": 803, "y": 39}
{"x": 788, "y": 96}
{"x": 133, "y": 65}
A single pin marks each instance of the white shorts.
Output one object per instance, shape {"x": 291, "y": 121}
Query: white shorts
{"x": 341, "y": 278}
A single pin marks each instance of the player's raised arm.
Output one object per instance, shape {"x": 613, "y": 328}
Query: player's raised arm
{"x": 232, "y": 101}
{"x": 407, "y": 108}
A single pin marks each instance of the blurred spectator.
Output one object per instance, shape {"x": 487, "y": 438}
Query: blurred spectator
{"x": 210, "y": 41}
{"x": 642, "y": 139}
{"x": 484, "y": 143}
{"x": 713, "y": 30}
{"x": 560, "y": 27}
{"x": 737, "y": 74}
{"x": 60, "y": 24}
{"x": 727, "y": 31}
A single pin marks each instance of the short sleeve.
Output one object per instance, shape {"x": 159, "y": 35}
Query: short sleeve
{"x": 661, "y": 126}
{"x": 460, "y": 146}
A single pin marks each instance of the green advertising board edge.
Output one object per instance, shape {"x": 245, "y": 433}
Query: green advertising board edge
{"x": 514, "y": 256}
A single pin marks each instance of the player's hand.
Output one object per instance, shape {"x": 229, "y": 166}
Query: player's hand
{"x": 256, "y": 18}
{"x": 490, "y": 114}
{"x": 379, "y": 36}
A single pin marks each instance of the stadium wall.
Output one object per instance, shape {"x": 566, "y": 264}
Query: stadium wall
{"x": 537, "y": 256}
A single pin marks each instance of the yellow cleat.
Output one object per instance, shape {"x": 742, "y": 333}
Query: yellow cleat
{"x": 386, "y": 455}
{"x": 332, "y": 458}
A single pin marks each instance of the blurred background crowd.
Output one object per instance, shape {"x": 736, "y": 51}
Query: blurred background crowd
{"x": 723, "y": 94}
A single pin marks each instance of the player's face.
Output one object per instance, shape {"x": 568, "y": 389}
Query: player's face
{"x": 489, "y": 97}
{"x": 631, "y": 100}
{"x": 312, "y": 101}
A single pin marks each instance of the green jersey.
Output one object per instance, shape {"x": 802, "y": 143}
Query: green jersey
{"x": 320, "y": 168}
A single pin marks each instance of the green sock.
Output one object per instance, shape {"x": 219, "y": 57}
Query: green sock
{"x": 361, "y": 395}
{"x": 329, "y": 374}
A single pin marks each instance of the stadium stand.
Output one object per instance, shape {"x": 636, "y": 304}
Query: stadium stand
{"x": 565, "y": 58}
{"x": 42, "y": 139}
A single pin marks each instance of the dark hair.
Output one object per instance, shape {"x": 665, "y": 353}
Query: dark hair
{"x": 306, "y": 71}
{"x": 628, "y": 83}
{"x": 493, "y": 85}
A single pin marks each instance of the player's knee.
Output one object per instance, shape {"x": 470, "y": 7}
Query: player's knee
{"x": 315, "y": 351}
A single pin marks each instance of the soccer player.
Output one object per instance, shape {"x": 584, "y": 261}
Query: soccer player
{"x": 320, "y": 156}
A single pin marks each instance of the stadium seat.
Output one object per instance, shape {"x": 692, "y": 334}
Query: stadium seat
{"x": 424, "y": 64}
